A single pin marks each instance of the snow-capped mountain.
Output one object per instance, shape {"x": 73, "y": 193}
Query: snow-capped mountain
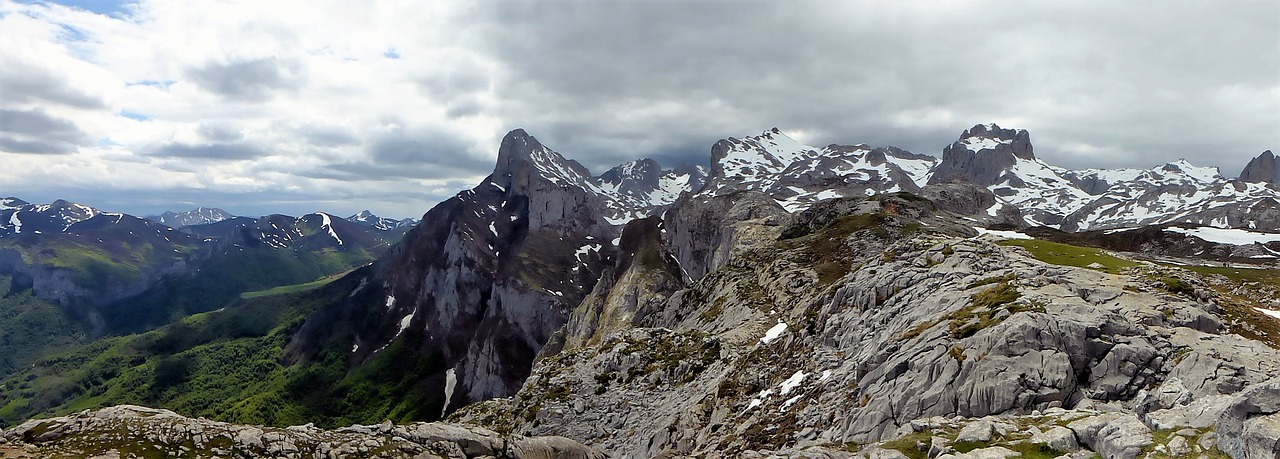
{"x": 309, "y": 232}
{"x": 1003, "y": 162}
{"x": 18, "y": 216}
{"x": 629, "y": 191}
{"x": 197, "y": 216}
{"x": 797, "y": 175}
{"x": 367, "y": 218}
{"x": 642, "y": 186}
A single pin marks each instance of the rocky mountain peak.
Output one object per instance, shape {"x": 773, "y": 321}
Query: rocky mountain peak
{"x": 983, "y": 154}
{"x": 644, "y": 171}
{"x": 1263, "y": 168}
{"x": 12, "y": 203}
{"x": 197, "y": 216}
{"x": 522, "y": 158}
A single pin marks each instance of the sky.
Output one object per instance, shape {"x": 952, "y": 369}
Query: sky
{"x": 291, "y": 107}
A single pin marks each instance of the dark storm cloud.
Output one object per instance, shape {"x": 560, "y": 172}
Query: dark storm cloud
{"x": 34, "y": 146}
{"x": 415, "y": 153}
{"x": 34, "y": 131}
{"x": 24, "y": 84}
{"x": 253, "y": 80}
{"x": 1146, "y": 81}
{"x": 37, "y": 122}
{"x": 216, "y": 151}
{"x": 429, "y": 147}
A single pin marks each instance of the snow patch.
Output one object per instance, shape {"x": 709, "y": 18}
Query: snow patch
{"x": 1227, "y": 236}
{"x": 404, "y": 322}
{"x": 327, "y": 224}
{"x": 791, "y": 383}
{"x": 391, "y": 301}
{"x": 1275, "y": 314}
{"x": 1002, "y": 234}
{"x": 450, "y": 382}
{"x": 774, "y": 332}
{"x": 17, "y": 224}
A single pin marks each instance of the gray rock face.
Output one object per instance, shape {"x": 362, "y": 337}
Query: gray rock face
{"x": 642, "y": 277}
{"x": 982, "y": 155}
{"x": 766, "y": 348}
{"x": 1264, "y": 168}
{"x": 485, "y": 281}
{"x": 1122, "y": 438}
{"x": 1250, "y": 425}
{"x": 974, "y": 202}
{"x": 110, "y": 430}
{"x": 705, "y": 232}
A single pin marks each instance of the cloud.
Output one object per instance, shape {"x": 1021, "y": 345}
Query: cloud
{"x": 216, "y": 151}
{"x": 35, "y": 131}
{"x": 253, "y": 80}
{"x": 375, "y": 102}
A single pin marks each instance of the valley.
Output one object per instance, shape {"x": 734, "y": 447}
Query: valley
{"x": 844, "y": 301}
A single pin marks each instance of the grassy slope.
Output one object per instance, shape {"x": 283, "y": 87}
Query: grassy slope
{"x": 30, "y": 328}
{"x": 222, "y": 280}
{"x": 226, "y": 365}
{"x": 1070, "y": 255}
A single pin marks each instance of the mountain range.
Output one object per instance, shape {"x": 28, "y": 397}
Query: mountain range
{"x": 788, "y": 300}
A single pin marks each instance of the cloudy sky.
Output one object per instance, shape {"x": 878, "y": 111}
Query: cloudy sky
{"x": 282, "y": 106}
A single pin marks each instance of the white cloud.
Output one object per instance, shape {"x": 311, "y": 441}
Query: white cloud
{"x": 394, "y": 105}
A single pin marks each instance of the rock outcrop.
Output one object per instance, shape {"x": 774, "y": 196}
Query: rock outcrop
{"x": 1264, "y": 168}
{"x": 867, "y": 318}
{"x": 134, "y": 431}
{"x": 983, "y": 155}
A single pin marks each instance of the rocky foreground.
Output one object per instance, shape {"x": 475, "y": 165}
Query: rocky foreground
{"x": 887, "y": 329}
{"x": 128, "y": 431}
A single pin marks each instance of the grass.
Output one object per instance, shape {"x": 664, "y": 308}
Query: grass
{"x": 283, "y": 289}
{"x": 982, "y": 313}
{"x": 909, "y": 444}
{"x": 1070, "y": 255}
{"x": 1268, "y": 277}
{"x": 227, "y": 366}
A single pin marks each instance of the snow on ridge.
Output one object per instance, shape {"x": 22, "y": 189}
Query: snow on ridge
{"x": 1227, "y": 235}
{"x": 976, "y": 144}
{"x": 328, "y": 224}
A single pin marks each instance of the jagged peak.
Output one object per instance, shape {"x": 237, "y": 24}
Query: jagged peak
{"x": 522, "y": 157}
{"x": 1263, "y": 168}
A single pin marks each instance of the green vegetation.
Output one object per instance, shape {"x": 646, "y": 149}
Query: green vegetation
{"x": 992, "y": 280}
{"x": 1175, "y": 284}
{"x": 291, "y": 288}
{"x": 1070, "y": 255}
{"x": 989, "y": 307}
{"x": 985, "y": 310}
{"x": 227, "y": 365}
{"x": 826, "y": 249}
{"x": 30, "y": 328}
{"x": 223, "y": 279}
{"x": 1267, "y": 277}
{"x": 913, "y": 445}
